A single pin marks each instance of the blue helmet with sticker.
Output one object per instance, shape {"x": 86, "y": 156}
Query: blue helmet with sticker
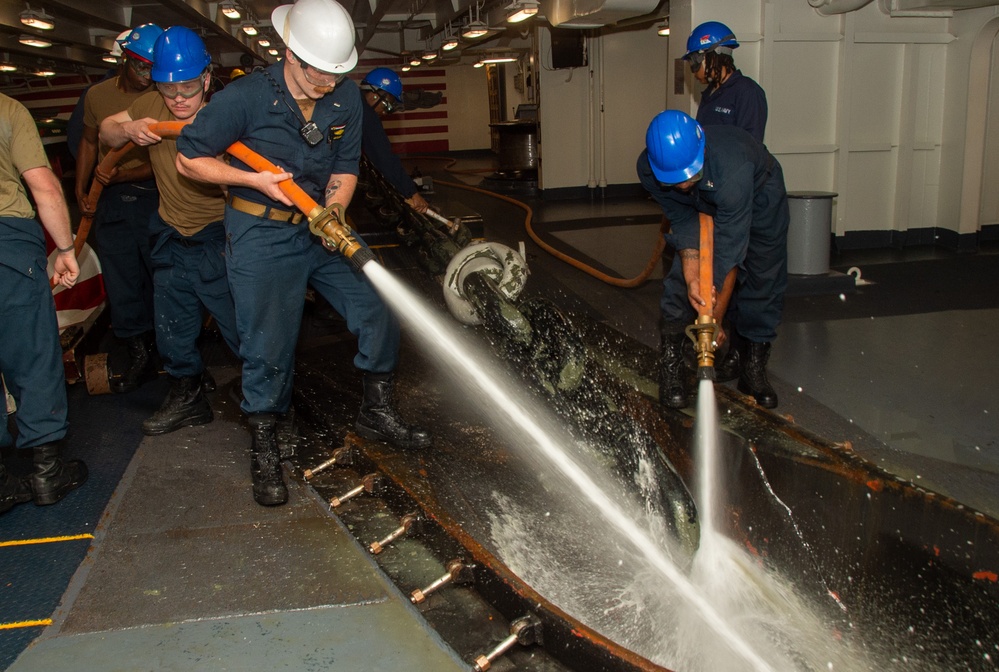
{"x": 179, "y": 55}
{"x": 675, "y": 143}
{"x": 709, "y": 36}
{"x": 385, "y": 80}
{"x": 141, "y": 40}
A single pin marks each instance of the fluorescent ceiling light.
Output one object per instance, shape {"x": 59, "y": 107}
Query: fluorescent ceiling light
{"x": 499, "y": 59}
{"x": 521, "y": 11}
{"x": 7, "y": 67}
{"x": 36, "y": 19}
{"x": 30, "y": 41}
{"x": 450, "y": 44}
{"x": 663, "y": 28}
{"x": 230, "y": 11}
{"x": 474, "y": 29}
{"x": 45, "y": 73}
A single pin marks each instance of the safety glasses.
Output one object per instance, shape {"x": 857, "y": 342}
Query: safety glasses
{"x": 318, "y": 77}
{"x": 696, "y": 59}
{"x": 387, "y": 100}
{"x": 186, "y": 89}
{"x": 141, "y": 68}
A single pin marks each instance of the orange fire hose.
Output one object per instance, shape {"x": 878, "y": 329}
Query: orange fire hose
{"x": 705, "y": 260}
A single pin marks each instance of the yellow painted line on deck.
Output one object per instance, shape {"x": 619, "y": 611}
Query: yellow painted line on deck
{"x": 25, "y": 624}
{"x": 45, "y": 540}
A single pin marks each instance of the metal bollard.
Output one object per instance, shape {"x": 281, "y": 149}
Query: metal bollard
{"x": 342, "y": 455}
{"x": 408, "y": 521}
{"x": 526, "y": 630}
{"x": 457, "y": 571}
{"x": 372, "y": 484}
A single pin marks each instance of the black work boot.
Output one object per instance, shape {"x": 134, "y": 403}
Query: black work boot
{"x": 184, "y": 406}
{"x": 753, "y": 379}
{"x": 378, "y": 420}
{"x": 53, "y": 479}
{"x": 672, "y": 371}
{"x": 730, "y": 365}
{"x": 13, "y": 490}
{"x": 265, "y": 462}
{"x": 141, "y": 364}
{"x": 208, "y": 384}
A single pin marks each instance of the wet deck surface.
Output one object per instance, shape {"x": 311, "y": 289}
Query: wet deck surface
{"x": 186, "y": 572}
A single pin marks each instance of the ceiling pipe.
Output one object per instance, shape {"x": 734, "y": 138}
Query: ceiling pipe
{"x": 832, "y": 7}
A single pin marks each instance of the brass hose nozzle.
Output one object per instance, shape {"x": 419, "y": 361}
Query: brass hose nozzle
{"x": 703, "y": 333}
{"x": 328, "y": 224}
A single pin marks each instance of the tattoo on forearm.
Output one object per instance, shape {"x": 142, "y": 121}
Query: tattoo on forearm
{"x": 689, "y": 254}
{"x": 331, "y": 189}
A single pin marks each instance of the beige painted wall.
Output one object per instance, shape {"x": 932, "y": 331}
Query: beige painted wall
{"x": 468, "y": 108}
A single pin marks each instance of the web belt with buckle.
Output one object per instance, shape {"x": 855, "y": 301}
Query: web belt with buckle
{"x": 265, "y": 211}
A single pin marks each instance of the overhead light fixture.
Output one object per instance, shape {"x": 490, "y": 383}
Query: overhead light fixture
{"x": 663, "y": 28}
{"x": 430, "y": 55}
{"x": 406, "y": 68}
{"x": 474, "y": 29}
{"x": 31, "y": 41}
{"x": 479, "y": 64}
{"x": 108, "y": 58}
{"x": 263, "y": 42}
{"x": 499, "y": 59}
{"x": 230, "y": 11}
{"x": 449, "y": 44}
{"x": 249, "y": 28}
{"x": 44, "y": 72}
{"x": 521, "y": 10}
{"x": 273, "y": 52}
{"x": 7, "y": 67}
{"x": 34, "y": 18}
{"x": 415, "y": 62}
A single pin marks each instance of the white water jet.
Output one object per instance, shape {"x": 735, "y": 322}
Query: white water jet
{"x": 434, "y": 334}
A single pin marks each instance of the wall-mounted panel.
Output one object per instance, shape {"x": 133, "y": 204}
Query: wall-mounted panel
{"x": 802, "y": 95}
{"x": 870, "y": 185}
{"x": 875, "y": 80}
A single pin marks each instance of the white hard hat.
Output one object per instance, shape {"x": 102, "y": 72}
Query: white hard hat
{"x": 319, "y": 32}
{"x": 116, "y": 47}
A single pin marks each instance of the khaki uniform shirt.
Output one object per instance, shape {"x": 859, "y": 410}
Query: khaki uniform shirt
{"x": 20, "y": 150}
{"x": 185, "y": 204}
{"x": 104, "y": 99}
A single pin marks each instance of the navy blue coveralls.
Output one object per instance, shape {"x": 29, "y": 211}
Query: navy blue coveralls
{"x": 188, "y": 273}
{"x": 30, "y": 354}
{"x": 739, "y": 101}
{"x": 271, "y": 262}
{"x": 378, "y": 148}
{"x": 742, "y": 187}
{"x": 122, "y": 237}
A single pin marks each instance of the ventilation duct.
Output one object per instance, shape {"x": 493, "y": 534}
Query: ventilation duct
{"x": 595, "y": 13}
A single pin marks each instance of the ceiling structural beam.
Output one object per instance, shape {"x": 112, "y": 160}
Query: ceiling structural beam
{"x": 197, "y": 12}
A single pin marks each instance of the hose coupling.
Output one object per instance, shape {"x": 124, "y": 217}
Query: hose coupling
{"x": 703, "y": 333}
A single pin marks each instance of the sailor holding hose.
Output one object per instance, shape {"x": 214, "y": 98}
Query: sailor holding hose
{"x": 187, "y": 239}
{"x": 304, "y": 116}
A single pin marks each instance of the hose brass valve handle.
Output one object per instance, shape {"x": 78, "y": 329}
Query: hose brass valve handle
{"x": 371, "y": 484}
{"x": 408, "y": 521}
{"x": 526, "y": 630}
{"x": 342, "y": 455}
{"x": 457, "y": 572}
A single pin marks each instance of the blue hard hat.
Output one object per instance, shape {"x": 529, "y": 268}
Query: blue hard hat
{"x": 708, "y": 36}
{"x": 676, "y": 147}
{"x": 386, "y": 80}
{"x": 179, "y": 55}
{"x": 140, "y": 41}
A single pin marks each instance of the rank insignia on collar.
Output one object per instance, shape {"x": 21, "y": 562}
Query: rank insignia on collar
{"x": 709, "y": 184}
